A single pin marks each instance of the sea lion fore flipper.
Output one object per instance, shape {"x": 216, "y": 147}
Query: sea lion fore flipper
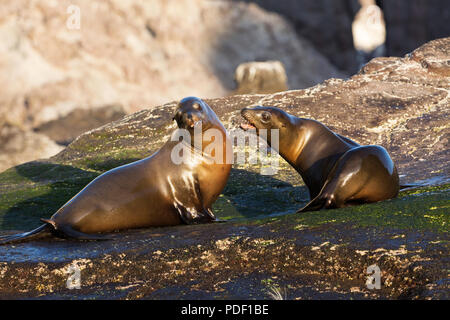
{"x": 191, "y": 210}
{"x": 192, "y": 215}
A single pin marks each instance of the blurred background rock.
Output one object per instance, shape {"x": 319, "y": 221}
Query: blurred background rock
{"x": 260, "y": 77}
{"x": 127, "y": 55}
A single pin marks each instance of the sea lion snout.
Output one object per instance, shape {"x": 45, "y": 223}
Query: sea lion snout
{"x": 187, "y": 120}
{"x": 246, "y": 113}
{"x": 257, "y": 118}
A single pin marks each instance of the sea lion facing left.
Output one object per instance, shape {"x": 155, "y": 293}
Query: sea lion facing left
{"x": 150, "y": 192}
{"x": 337, "y": 171}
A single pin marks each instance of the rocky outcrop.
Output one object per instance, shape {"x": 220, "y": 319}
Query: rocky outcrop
{"x": 400, "y": 103}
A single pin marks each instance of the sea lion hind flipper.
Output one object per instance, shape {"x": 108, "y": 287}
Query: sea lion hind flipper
{"x": 69, "y": 232}
{"x": 41, "y": 231}
{"x": 315, "y": 204}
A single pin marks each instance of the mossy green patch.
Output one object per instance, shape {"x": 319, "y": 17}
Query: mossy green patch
{"x": 36, "y": 190}
{"x": 425, "y": 210}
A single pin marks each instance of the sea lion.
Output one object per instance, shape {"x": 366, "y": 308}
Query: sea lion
{"x": 150, "y": 192}
{"x": 337, "y": 171}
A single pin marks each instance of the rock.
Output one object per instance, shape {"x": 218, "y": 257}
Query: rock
{"x": 66, "y": 129}
{"x": 326, "y": 24}
{"x": 389, "y": 97}
{"x": 411, "y": 23}
{"x": 19, "y": 146}
{"x": 137, "y": 54}
{"x": 132, "y": 54}
{"x": 240, "y": 260}
{"x": 260, "y": 77}
{"x": 400, "y": 103}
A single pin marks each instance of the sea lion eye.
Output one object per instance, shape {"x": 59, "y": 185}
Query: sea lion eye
{"x": 196, "y": 106}
{"x": 265, "y": 116}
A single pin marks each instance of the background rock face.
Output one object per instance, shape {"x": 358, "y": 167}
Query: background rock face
{"x": 136, "y": 55}
{"x": 411, "y": 23}
{"x": 383, "y": 104}
{"x": 327, "y": 24}
{"x": 260, "y": 77}
{"x": 400, "y": 103}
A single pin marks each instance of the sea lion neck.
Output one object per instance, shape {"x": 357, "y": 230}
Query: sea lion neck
{"x": 196, "y": 152}
{"x": 294, "y": 139}
{"x": 309, "y": 144}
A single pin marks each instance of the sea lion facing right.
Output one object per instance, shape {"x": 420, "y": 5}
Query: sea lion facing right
{"x": 337, "y": 171}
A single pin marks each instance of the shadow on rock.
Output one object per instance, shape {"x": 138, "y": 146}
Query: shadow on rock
{"x": 250, "y": 195}
{"x": 44, "y": 188}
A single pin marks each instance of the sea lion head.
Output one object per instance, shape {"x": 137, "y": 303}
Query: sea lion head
{"x": 260, "y": 117}
{"x": 192, "y": 111}
{"x": 192, "y": 114}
